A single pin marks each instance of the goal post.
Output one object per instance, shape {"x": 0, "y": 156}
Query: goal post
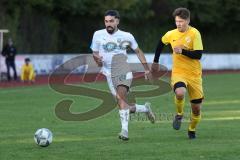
{"x": 2, "y": 31}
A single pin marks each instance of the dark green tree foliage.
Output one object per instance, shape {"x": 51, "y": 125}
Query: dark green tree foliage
{"x": 47, "y": 26}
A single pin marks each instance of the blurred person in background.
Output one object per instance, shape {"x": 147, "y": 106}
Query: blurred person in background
{"x": 9, "y": 52}
{"x": 27, "y": 71}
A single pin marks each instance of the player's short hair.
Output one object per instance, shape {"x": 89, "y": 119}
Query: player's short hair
{"x": 183, "y": 13}
{"x": 114, "y": 13}
{"x": 27, "y": 59}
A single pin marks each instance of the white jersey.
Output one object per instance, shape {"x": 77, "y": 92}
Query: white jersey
{"x": 109, "y": 45}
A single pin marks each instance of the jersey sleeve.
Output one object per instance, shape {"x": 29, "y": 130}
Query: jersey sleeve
{"x": 95, "y": 43}
{"x": 166, "y": 38}
{"x": 133, "y": 42}
{"x": 197, "y": 42}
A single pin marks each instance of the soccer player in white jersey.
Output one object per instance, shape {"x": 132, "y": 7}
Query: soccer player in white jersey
{"x": 109, "y": 47}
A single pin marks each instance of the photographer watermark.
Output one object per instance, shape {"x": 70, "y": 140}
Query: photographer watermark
{"x": 90, "y": 73}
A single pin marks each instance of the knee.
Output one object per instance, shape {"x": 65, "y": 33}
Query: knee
{"x": 180, "y": 93}
{"x": 179, "y": 89}
{"x": 196, "y": 110}
{"x": 121, "y": 103}
{"x": 196, "y": 106}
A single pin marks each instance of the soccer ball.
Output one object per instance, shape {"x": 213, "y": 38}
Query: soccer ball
{"x": 43, "y": 137}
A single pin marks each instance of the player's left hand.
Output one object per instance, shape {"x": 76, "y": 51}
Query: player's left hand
{"x": 154, "y": 67}
{"x": 177, "y": 49}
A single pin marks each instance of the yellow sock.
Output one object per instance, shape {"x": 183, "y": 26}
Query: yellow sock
{"x": 179, "y": 106}
{"x": 194, "y": 121}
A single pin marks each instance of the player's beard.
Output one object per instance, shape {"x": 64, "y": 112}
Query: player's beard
{"x": 110, "y": 29}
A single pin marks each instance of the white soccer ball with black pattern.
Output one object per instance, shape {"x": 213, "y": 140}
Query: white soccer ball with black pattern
{"x": 43, "y": 137}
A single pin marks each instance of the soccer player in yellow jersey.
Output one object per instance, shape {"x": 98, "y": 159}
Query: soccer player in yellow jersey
{"x": 187, "y": 48}
{"x": 27, "y": 72}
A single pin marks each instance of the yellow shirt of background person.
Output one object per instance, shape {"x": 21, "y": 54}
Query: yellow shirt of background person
{"x": 188, "y": 40}
{"x": 27, "y": 71}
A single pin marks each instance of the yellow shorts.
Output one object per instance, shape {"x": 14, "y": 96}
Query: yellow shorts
{"x": 194, "y": 86}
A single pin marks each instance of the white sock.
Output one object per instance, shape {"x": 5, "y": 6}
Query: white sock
{"x": 141, "y": 108}
{"x": 124, "y": 117}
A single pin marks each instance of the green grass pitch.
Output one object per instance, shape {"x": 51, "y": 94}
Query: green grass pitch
{"x": 24, "y": 110}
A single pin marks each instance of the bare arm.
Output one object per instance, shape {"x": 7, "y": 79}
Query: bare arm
{"x": 142, "y": 59}
{"x": 97, "y": 58}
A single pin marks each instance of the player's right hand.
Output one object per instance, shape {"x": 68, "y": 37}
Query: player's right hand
{"x": 98, "y": 59}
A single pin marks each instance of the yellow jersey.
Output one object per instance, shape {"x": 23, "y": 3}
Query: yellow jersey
{"x": 27, "y": 72}
{"x": 189, "y": 40}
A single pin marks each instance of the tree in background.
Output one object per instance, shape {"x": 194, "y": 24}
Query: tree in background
{"x": 48, "y": 26}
